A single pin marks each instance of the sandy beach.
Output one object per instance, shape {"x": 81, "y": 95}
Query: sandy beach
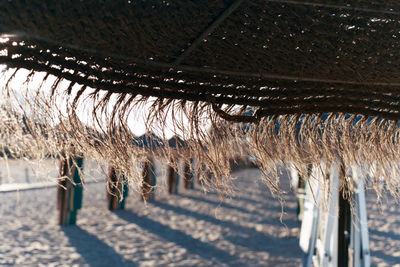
{"x": 189, "y": 229}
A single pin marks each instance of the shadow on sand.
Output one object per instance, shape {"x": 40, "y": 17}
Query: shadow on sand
{"x": 94, "y": 251}
{"x": 192, "y": 245}
{"x": 237, "y": 234}
{"x": 386, "y": 235}
{"x": 221, "y": 204}
{"x": 224, "y": 204}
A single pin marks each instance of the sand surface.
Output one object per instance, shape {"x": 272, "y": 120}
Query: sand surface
{"x": 189, "y": 229}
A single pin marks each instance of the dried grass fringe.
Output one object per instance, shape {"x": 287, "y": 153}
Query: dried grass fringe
{"x": 37, "y": 126}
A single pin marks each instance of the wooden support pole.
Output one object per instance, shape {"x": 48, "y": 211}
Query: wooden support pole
{"x": 189, "y": 175}
{"x": 69, "y": 190}
{"x": 344, "y": 224}
{"x": 117, "y": 190}
{"x": 344, "y": 230}
{"x": 149, "y": 180}
{"x": 173, "y": 180}
{"x": 177, "y": 181}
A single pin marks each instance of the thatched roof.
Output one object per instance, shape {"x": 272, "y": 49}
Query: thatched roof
{"x": 307, "y": 57}
{"x": 148, "y": 141}
{"x": 307, "y": 63}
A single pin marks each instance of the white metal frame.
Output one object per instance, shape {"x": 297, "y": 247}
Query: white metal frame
{"x": 319, "y": 230}
{"x": 359, "y": 242}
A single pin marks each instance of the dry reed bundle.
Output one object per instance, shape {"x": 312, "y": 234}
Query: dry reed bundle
{"x": 320, "y": 79}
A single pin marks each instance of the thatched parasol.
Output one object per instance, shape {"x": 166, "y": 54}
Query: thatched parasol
{"x": 148, "y": 141}
{"x": 292, "y": 62}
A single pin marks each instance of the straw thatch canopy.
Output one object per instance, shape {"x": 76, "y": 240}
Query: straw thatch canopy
{"x": 318, "y": 56}
{"x": 292, "y": 62}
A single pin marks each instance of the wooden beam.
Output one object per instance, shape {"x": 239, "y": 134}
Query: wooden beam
{"x": 224, "y": 15}
{"x": 337, "y": 7}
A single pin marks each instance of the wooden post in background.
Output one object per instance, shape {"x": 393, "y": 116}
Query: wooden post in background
{"x": 189, "y": 175}
{"x": 186, "y": 173}
{"x": 173, "y": 180}
{"x": 175, "y": 143}
{"x": 69, "y": 190}
{"x": 117, "y": 190}
{"x": 177, "y": 181}
{"x": 149, "y": 180}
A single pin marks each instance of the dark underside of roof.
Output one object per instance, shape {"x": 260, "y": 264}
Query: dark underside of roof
{"x": 278, "y": 56}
